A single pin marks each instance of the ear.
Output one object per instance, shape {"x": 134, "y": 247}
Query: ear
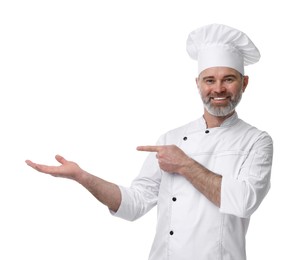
{"x": 197, "y": 82}
{"x": 245, "y": 83}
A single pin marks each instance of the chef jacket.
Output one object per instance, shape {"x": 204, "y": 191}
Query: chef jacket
{"x": 189, "y": 226}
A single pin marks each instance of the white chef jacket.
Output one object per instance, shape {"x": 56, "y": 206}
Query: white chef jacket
{"x": 189, "y": 226}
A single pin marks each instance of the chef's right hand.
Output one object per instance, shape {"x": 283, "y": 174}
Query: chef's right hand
{"x": 67, "y": 169}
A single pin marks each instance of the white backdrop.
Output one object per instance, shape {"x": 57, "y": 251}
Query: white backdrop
{"x": 91, "y": 80}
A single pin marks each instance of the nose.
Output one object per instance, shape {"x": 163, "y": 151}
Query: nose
{"x": 219, "y": 87}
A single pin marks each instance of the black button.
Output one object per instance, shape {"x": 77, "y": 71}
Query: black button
{"x": 184, "y": 138}
{"x": 206, "y": 131}
{"x": 174, "y": 198}
{"x": 171, "y": 233}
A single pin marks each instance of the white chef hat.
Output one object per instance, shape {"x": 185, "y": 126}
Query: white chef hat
{"x": 218, "y": 45}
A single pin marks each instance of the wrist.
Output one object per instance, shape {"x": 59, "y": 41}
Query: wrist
{"x": 81, "y": 176}
{"x": 187, "y": 167}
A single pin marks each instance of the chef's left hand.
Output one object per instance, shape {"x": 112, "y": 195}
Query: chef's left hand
{"x": 170, "y": 157}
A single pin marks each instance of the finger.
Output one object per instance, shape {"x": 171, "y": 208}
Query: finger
{"x": 40, "y": 167}
{"x": 149, "y": 148}
{"x": 30, "y": 163}
{"x": 60, "y": 159}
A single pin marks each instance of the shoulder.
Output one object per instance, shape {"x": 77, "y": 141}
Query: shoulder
{"x": 253, "y": 134}
{"x": 248, "y": 128}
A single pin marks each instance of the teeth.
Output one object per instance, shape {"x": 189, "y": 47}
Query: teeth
{"x": 220, "y": 98}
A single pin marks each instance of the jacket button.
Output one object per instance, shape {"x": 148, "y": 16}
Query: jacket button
{"x": 184, "y": 138}
{"x": 174, "y": 198}
{"x": 206, "y": 131}
{"x": 171, "y": 232}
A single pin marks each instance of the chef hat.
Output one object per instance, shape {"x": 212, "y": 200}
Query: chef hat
{"x": 218, "y": 45}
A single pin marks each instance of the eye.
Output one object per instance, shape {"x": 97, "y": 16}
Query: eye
{"x": 209, "y": 81}
{"x": 229, "y": 80}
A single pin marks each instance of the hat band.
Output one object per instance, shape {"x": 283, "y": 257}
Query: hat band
{"x": 220, "y": 56}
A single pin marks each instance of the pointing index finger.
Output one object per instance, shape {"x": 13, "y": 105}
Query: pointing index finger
{"x": 149, "y": 148}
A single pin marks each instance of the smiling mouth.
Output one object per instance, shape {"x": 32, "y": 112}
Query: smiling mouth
{"x": 219, "y": 98}
{"x": 220, "y": 101}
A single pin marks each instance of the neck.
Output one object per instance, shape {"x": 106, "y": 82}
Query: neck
{"x": 215, "y": 121}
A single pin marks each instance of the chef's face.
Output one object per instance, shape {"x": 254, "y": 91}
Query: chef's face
{"x": 221, "y": 89}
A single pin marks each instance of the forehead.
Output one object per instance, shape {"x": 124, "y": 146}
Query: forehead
{"x": 218, "y": 72}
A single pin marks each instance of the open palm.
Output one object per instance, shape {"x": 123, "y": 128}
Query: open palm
{"x": 67, "y": 169}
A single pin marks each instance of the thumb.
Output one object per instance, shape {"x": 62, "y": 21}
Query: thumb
{"x": 60, "y": 159}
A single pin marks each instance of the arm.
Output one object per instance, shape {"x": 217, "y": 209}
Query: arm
{"x": 205, "y": 181}
{"x": 242, "y": 195}
{"x": 106, "y": 192}
{"x": 173, "y": 160}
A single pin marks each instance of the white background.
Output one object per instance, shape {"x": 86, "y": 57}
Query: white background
{"x": 91, "y": 80}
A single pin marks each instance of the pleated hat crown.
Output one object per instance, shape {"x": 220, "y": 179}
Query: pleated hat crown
{"x": 218, "y": 45}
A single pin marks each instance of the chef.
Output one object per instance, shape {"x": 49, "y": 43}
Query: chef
{"x": 207, "y": 177}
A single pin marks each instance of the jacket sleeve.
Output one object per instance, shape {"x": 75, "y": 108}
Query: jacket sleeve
{"x": 142, "y": 195}
{"x": 241, "y": 196}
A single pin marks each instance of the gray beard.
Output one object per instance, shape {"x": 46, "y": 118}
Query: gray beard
{"x": 223, "y": 111}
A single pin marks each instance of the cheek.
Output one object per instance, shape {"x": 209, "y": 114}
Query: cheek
{"x": 239, "y": 89}
{"x": 234, "y": 89}
{"x": 200, "y": 92}
{"x": 204, "y": 92}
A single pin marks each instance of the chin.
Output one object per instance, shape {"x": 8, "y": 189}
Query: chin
{"x": 220, "y": 112}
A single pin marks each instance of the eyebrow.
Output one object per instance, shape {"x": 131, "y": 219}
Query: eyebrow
{"x": 225, "y": 76}
{"x": 208, "y": 77}
{"x": 230, "y": 76}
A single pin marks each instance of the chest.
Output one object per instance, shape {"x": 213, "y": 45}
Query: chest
{"x": 220, "y": 150}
